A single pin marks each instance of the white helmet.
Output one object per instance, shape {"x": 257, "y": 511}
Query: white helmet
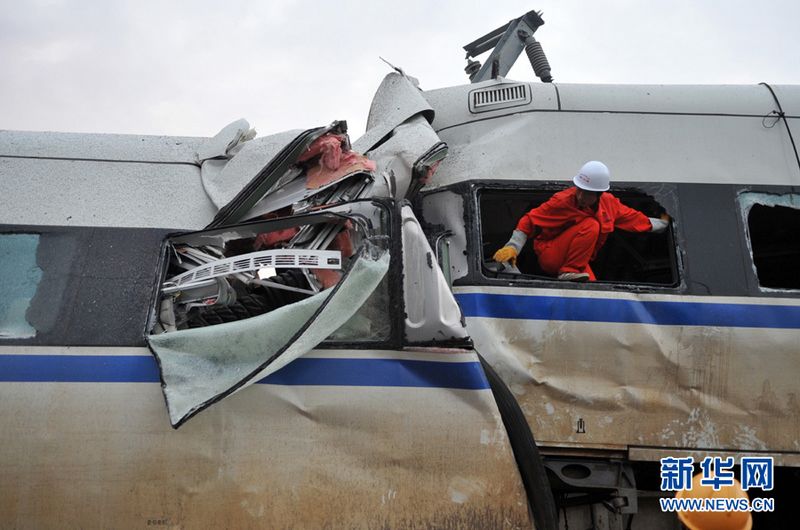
{"x": 593, "y": 176}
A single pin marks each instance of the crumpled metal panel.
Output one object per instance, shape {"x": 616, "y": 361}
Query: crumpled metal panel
{"x": 277, "y": 456}
{"x": 402, "y": 158}
{"x": 400, "y": 138}
{"x": 226, "y": 141}
{"x": 432, "y": 313}
{"x": 223, "y": 182}
{"x": 610, "y": 384}
{"x": 396, "y": 100}
{"x": 201, "y": 366}
{"x": 446, "y": 209}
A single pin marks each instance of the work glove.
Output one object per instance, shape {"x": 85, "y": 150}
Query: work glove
{"x": 507, "y": 253}
{"x": 512, "y": 248}
{"x": 659, "y": 225}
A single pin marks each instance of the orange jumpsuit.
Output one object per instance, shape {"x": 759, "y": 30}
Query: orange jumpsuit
{"x": 571, "y": 236}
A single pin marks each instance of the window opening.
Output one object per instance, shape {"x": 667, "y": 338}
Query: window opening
{"x": 626, "y": 257}
{"x": 773, "y": 223}
{"x": 19, "y": 278}
{"x": 227, "y": 275}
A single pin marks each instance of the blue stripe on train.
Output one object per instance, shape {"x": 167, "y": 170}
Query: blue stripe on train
{"x": 303, "y": 371}
{"x": 628, "y": 311}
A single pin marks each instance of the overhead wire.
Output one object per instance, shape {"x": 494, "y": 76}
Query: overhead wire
{"x": 780, "y": 115}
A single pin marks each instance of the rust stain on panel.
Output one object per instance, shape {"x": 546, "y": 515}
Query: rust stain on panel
{"x": 651, "y": 386}
{"x": 80, "y": 455}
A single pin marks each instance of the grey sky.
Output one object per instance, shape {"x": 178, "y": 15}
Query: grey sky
{"x": 191, "y": 67}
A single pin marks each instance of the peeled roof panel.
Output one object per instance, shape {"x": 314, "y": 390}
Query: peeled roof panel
{"x": 396, "y": 100}
{"x": 691, "y": 99}
{"x": 121, "y": 147}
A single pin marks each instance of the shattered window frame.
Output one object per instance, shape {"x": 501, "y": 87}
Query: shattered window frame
{"x": 769, "y": 202}
{"x": 531, "y": 193}
{"x": 393, "y": 294}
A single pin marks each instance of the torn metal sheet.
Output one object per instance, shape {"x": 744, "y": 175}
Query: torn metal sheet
{"x": 318, "y": 158}
{"x": 396, "y": 100}
{"x": 332, "y": 163}
{"x": 407, "y": 159}
{"x": 434, "y": 316}
{"x": 223, "y": 182}
{"x": 201, "y": 366}
{"x": 226, "y": 142}
{"x": 644, "y": 370}
{"x": 444, "y": 212}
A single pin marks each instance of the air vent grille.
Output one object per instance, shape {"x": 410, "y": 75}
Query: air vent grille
{"x": 499, "y": 97}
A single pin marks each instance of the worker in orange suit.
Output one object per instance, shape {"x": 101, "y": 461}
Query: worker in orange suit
{"x": 571, "y": 227}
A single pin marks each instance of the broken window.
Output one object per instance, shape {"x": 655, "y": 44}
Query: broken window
{"x": 226, "y": 275}
{"x": 626, "y": 257}
{"x": 773, "y": 224}
{"x": 372, "y": 323}
{"x": 19, "y": 279}
{"x": 238, "y": 303}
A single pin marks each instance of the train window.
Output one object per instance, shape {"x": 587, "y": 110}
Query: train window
{"x": 19, "y": 280}
{"x": 773, "y": 223}
{"x": 626, "y": 257}
{"x": 76, "y": 286}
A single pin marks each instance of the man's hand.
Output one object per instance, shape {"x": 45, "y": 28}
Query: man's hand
{"x": 507, "y": 253}
{"x": 665, "y": 217}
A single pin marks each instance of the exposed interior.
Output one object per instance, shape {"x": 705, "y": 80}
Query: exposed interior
{"x": 230, "y": 274}
{"x": 316, "y": 169}
{"x": 775, "y": 241}
{"x": 626, "y": 257}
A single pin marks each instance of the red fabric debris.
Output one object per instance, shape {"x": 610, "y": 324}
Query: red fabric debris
{"x": 327, "y": 277}
{"x": 352, "y": 162}
{"x": 344, "y": 243}
{"x": 430, "y": 172}
{"x": 335, "y": 161}
{"x": 330, "y": 147}
{"x": 270, "y": 239}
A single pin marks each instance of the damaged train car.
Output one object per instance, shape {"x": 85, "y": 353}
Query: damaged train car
{"x": 336, "y": 347}
{"x": 358, "y": 403}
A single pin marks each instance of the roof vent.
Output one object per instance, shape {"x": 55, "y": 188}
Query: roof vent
{"x": 499, "y": 97}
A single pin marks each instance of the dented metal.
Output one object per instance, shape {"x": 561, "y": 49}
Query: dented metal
{"x": 275, "y": 456}
{"x": 601, "y": 384}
